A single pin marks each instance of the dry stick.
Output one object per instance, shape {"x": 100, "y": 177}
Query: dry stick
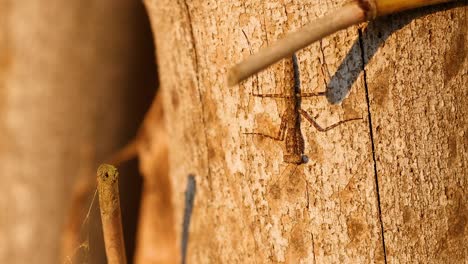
{"x": 80, "y": 193}
{"x": 109, "y": 201}
{"x": 350, "y": 14}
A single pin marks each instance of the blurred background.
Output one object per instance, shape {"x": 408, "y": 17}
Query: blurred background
{"x": 76, "y": 78}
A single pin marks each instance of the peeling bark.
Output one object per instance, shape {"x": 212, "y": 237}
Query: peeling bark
{"x": 156, "y": 236}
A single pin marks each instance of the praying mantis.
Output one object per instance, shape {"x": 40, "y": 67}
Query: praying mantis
{"x": 290, "y": 127}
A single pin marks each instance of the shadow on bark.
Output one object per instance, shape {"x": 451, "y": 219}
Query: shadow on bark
{"x": 374, "y": 36}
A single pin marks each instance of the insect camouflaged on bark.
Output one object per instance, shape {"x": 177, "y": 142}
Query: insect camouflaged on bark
{"x": 290, "y": 128}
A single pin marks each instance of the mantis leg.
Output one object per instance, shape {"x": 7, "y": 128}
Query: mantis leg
{"x": 318, "y": 127}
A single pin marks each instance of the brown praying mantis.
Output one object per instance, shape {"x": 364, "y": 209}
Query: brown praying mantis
{"x": 290, "y": 127}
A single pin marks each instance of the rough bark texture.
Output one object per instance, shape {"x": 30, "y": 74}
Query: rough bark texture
{"x": 417, "y": 76}
{"x": 70, "y": 72}
{"x": 390, "y": 187}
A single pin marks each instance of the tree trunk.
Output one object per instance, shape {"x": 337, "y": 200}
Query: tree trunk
{"x": 70, "y": 72}
{"x": 389, "y": 187}
{"x": 418, "y": 89}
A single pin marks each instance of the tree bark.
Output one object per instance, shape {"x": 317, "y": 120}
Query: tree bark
{"x": 417, "y": 77}
{"x": 390, "y": 187}
{"x": 70, "y": 72}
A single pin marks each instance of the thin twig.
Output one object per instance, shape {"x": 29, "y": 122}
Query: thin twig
{"x": 350, "y": 14}
{"x": 347, "y": 15}
{"x": 109, "y": 201}
{"x": 84, "y": 187}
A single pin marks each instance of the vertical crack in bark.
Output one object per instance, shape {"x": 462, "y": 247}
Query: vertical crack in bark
{"x": 324, "y": 66}
{"x": 200, "y": 98}
{"x": 192, "y": 36}
{"x": 313, "y": 247}
{"x": 266, "y": 32}
{"x": 361, "y": 44}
